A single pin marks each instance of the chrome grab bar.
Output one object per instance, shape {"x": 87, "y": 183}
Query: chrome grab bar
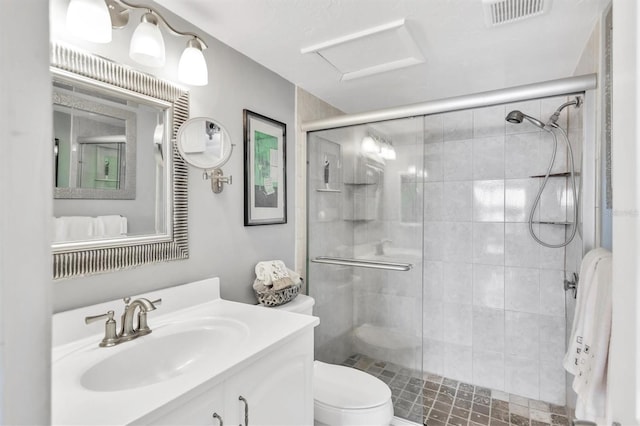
{"x": 361, "y": 263}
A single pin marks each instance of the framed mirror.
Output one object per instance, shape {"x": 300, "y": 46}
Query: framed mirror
{"x": 204, "y": 143}
{"x": 120, "y": 182}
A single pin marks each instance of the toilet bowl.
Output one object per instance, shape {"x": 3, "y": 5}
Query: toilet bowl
{"x": 344, "y": 396}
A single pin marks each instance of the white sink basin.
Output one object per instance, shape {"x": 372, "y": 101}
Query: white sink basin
{"x": 170, "y": 351}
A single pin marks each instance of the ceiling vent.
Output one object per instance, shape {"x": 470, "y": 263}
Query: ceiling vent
{"x": 499, "y": 12}
{"x": 372, "y": 51}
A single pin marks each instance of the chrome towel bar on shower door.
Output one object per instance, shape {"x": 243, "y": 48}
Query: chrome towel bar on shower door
{"x": 391, "y": 266}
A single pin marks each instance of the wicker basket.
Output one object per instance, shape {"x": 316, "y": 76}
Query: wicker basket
{"x": 273, "y": 298}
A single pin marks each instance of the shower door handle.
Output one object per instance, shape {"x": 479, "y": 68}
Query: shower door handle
{"x": 360, "y": 263}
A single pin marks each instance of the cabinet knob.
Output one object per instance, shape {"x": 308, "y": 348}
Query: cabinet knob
{"x": 246, "y": 410}
{"x": 219, "y": 418}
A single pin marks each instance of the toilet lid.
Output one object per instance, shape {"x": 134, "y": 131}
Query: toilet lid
{"x": 346, "y": 387}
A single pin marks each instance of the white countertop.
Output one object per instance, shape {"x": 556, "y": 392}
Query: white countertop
{"x": 74, "y": 404}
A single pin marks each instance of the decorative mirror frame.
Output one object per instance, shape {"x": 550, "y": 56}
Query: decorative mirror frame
{"x": 125, "y": 254}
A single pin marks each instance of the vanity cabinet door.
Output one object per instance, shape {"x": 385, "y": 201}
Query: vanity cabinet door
{"x": 196, "y": 410}
{"x": 277, "y": 388}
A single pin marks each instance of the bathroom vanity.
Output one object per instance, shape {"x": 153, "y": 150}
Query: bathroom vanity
{"x": 207, "y": 361}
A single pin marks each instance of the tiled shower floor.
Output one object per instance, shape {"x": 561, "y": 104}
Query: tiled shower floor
{"x": 437, "y": 401}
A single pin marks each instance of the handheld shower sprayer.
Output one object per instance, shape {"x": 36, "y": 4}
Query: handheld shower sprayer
{"x": 517, "y": 117}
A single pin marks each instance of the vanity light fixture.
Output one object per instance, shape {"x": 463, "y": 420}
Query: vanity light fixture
{"x": 89, "y": 19}
{"x": 147, "y": 44}
{"x": 93, "y": 20}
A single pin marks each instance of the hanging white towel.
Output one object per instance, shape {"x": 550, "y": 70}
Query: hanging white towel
{"x": 588, "y": 350}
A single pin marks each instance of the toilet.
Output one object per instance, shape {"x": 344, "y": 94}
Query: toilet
{"x": 344, "y": 396}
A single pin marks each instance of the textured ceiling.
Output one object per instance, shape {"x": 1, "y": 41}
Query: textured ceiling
{"x": 462, "y": 55}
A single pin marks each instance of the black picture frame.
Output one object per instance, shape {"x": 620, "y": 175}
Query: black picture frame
{"x": 265, "y": 170}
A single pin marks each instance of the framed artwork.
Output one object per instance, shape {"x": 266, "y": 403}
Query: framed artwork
{"x": 265, "y": 180}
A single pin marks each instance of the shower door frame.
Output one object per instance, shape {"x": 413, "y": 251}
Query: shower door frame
{"x": 584, "y": 84}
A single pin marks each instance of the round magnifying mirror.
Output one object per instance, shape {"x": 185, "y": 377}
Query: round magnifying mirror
{"x": 204, "y": 143}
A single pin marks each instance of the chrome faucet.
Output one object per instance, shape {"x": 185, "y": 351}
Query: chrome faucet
{"x": 127, "y": 330}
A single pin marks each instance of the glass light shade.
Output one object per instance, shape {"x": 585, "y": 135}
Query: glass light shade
{"x": 89, "y": 20}
{"x": 369, "y": 145}
{"x": 192, "y": 68}
{"x": 147, "y": 44}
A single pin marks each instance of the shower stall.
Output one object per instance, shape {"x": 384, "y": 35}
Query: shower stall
{"x": 420, "y": 253}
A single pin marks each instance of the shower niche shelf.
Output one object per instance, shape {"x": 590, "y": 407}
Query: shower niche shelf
{"x": 558, "y": 175}
{"x": 548, "y": 222}
{"x": 327, "y": 190}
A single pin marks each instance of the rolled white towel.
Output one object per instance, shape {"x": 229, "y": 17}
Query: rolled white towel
{"x": 263, "y": 272}
{"x": 279, "y": 275}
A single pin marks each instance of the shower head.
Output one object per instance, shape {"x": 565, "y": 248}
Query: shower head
{"x": 516, "y": 117}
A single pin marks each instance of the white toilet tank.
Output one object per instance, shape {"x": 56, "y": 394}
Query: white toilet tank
{"x": 302, "y": 304}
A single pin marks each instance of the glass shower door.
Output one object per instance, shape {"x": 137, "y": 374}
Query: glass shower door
{"x": 365, "y": 231}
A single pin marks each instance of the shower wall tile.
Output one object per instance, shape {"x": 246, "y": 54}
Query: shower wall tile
{"x": 488, "y": 329}
{"x": 457, "y": 125}
{"x": 520, "y": 249}
{"x": 458, "y": 201}
{"x": 489, "y": 369}
{"x": 458, "y": 282}
{"x": 560, "y": 164}
{"x": 552, "y": 384}
{"x": 458, "y": 160}
{"x": 433, "y": 201}
{"x": 488, "y": 243}
{"x": 433, "y": 161}
{"x": 433, "y": 356}
{"x": 552, "y": 258}
{"x": 457, "y": 323}
{"x": 433, "y": 282}
{"x": 522, "y": 289}
{"x": 488, "y": 201}
{"x": 552, "y": 338}
{"x": 531, "y": 108}
{"x": 522, "y": 155}
{"x": 552, "y": 292}
{"x": 488, "y": 286}
{"x": 489, "y": 121}
{"x": 521, "y": 335}
{"x": 522, "y": 377}
{"x": 488, "y": 157}
{"x": 456, "y": 241}
{"x": 519, "y": 195}
{"x": 553, "y": 201}
{"x": 433, "y": 128}
{"x": 458, "y": 361}
{"x": 433, "y": 234}
{"x": 433, "y": 320}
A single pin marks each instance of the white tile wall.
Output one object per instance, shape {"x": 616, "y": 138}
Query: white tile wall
{"x": 495, "y": 314}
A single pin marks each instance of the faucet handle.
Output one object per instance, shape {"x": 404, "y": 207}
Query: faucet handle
{"x": 108, "y": 316}
{"x": 126, "y": 300}
{"x": 110, "y": 334}
{"x": 156, "y": 302}
{"x": 143, "y": 326}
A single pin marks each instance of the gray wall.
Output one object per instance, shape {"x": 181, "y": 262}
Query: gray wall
{"x": 220, "y": 245}
{"x": 25, "y": 191}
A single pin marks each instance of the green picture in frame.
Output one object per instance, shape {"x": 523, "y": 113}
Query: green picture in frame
{"x": 265, "y": 170}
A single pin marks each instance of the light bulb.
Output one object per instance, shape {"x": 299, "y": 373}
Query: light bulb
{"x": 147, "y": 44}
{"x": 192, "y": 68}
{"x": 89, "y": 20}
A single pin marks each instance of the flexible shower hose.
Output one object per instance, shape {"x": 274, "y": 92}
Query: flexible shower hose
{"x": 536, "y": 203}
